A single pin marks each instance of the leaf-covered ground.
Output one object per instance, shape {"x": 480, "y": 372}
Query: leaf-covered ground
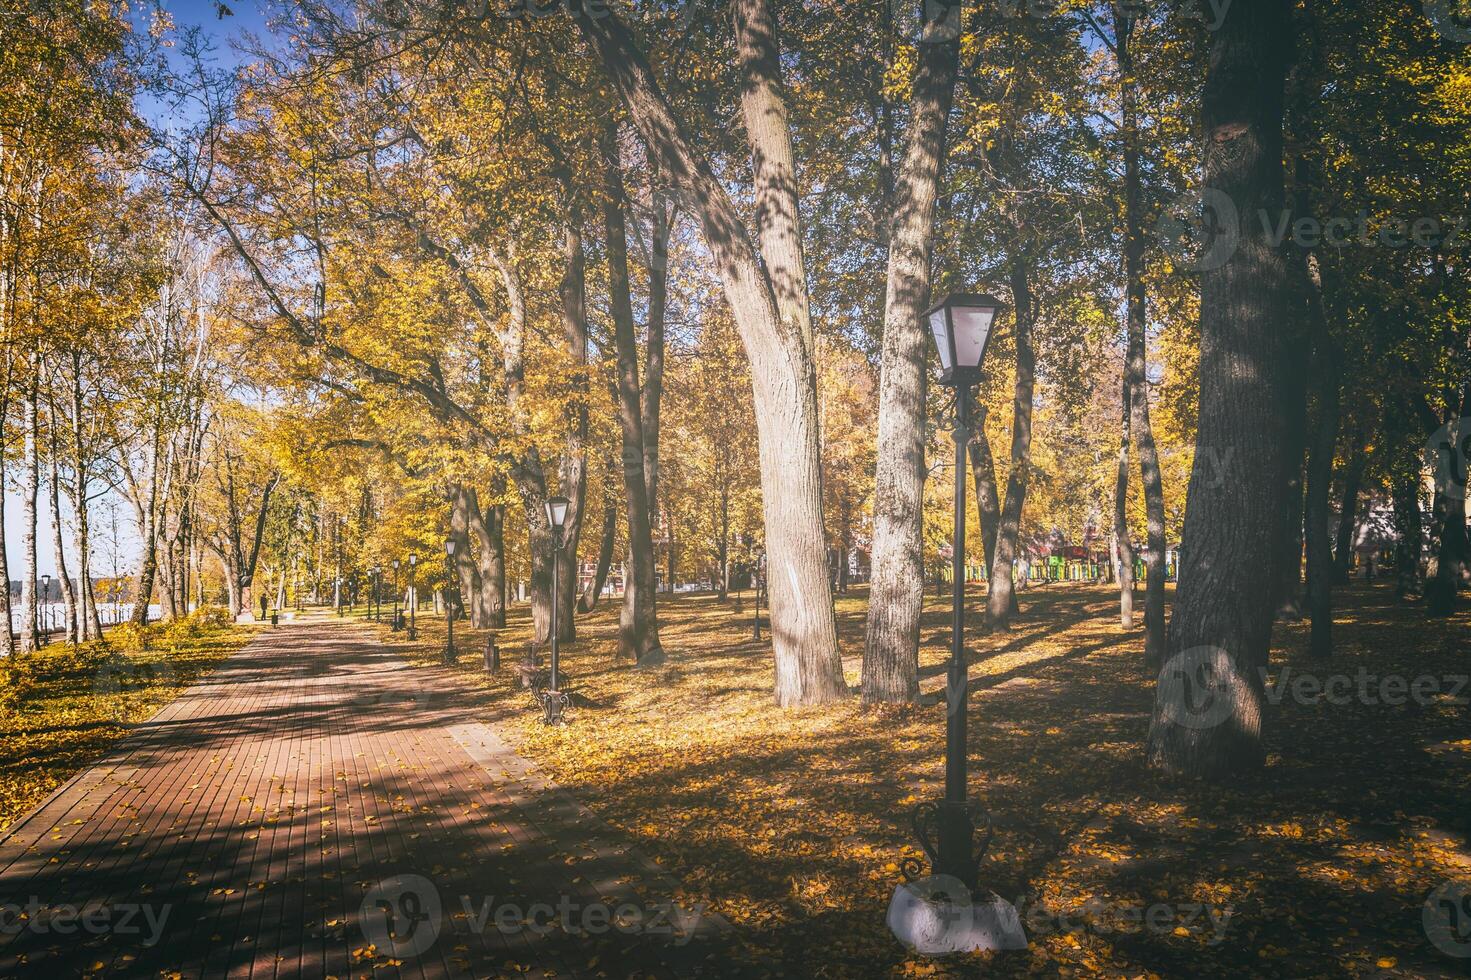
{"x": 61, "y": 709}
{"x": 792, "y": 824}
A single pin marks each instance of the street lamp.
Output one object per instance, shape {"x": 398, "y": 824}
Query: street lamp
{"x": 337, "y": 594}
{"x": 394, "y": 628}
{"x": 961, "y": 326}
{"x": 375, "y": 601}
{"x": 553, "y": 700}
{"x": 45, "y": 606}
{"x": 449, "y": 608}
{"x": 414, "y": 603}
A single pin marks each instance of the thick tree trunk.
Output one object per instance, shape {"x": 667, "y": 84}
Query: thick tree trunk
{"x": 808, "y": 668}
{"x": 896, "y": 591}
{"x": 638, "y": 624}
{"x": 1409, "y": 528}
{"x": 1451, "y": 558}
{"x": 1001, "y": 602}
{"x": 488, "y": 525}
{"x": 1454, "y": 550}
{"x": 1224, "y": 606}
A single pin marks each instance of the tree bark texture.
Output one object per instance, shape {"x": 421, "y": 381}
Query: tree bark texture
{"x": 1207, "y": 718}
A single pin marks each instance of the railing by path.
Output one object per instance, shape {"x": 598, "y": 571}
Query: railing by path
{"x": 51, "y": 618}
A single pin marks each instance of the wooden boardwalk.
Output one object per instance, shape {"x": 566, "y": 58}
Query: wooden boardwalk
{"x": 316, "y": 808}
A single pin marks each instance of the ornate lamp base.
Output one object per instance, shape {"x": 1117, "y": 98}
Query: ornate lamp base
{"x": 947, "y": 835}
{"x": 553, "y": 703}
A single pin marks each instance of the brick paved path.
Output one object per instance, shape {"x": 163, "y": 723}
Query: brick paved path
{"x": 315, "y": 808}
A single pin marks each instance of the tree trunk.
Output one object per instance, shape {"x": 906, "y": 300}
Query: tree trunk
{"x": 1409, "y": 528}
{"x": 845, "y": 548}
{"x": 1294, "y": 425}
{"x": 669, "y": 553}
{"x": 983, "y": 474}
{"x": 530, "y": 477}
{"x": 466, "y": 570}
{"x": 7, "y": 640}
{"x": 1136, "y": 367}
{"x": 652, "y": 394}
{"x": 722, "y": 546}
{"x": 896, "y": 591}
{"x": 30, "y": 636}
{"x": 638, "y": 623}
{"x": 489, "y": 527}
{"x": 594, "y": 591}
{"x": 1323, "y": 447}
{"x": 148, "y": 537}
{"x": 808, "y": 667}
{"x": 1455, "y": 547}
{"x": 1122, "y": 537}
{"x": 68, "y": 594}
{"x": 1001, "y": 602}
{"x": 1224, "y": 605}
{"x": 1348, "y": 510}
{"x": 573, "y": 465}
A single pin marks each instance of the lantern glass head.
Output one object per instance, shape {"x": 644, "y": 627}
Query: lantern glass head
{"x": 413, "y": 560}
{"x": 961, "y": 325}
{"x": 449, "y": 547}
{"x": 557, "y": 512}
{"x": 395, "y": 564}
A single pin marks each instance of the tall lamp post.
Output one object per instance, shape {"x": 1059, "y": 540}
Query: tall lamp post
{"x": 961, "y": 326}
{"x": 413, "y": 597}
{"x": 45, "y": 607}
{"x": 395, "y": 595}
{"x": 449, "y": 606}
{"x": 553, "y": 699}
{"x": 376, "y": 600}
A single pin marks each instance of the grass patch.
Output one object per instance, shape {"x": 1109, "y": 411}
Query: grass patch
{"x": 792, "y": 824}
{"x": 63, "y": 707}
